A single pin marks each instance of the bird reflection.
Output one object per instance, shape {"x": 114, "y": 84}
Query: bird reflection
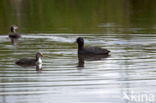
{"x": 37, "y": 66}
{"x": 82, "y": 58}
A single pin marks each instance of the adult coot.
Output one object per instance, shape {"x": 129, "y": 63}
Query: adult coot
{"x": 90, "y": 50}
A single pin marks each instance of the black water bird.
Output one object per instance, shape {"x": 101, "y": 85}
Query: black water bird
{"x": 90, "y": 50}
{"x": 31, "y": 61}
{"x": 13, "y": 35}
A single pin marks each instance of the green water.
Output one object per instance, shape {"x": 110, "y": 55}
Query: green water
{"x": 79, "y": 16}
{"x": 125, "y": 27}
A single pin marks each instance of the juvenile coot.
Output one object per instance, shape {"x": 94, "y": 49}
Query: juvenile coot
{"x": 31, "y": 61}
{"x": 13, "y": 35}
{"x": 90, "y": 50}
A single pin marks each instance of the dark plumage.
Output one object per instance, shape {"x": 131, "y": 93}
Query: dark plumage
{"x": 30, "y": 61}
{"x": 90, "y": 50}
{"x": 13, "y": 35}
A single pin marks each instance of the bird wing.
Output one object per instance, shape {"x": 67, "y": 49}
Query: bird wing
{"x": 26, "y": 61}
{"x": 14, "y": 35}
{"x": 97, "y": 50}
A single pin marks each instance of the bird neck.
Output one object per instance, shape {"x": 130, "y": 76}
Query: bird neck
{"x": 38, "y": 59}
{"x": 13, "y": 30}
{"x": 80, "y": 46}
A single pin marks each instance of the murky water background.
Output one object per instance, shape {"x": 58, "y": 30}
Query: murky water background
{"x": 130, "y": 70}
{"x": 126, "y": 27}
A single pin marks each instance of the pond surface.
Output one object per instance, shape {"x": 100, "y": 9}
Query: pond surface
{"x": 126, "y": 27}
{"x": 129, "y": 71}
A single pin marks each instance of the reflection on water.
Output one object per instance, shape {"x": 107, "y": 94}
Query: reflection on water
{"x": 82, "y": 58}
{"x": 129, "y": 71}
{"x": 126, "y": 27}
{"x": 89, "y": 16}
